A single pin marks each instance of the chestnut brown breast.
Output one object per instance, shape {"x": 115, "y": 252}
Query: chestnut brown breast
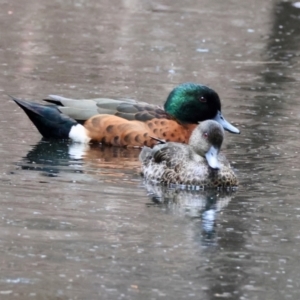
{"x": 116, "y": 131}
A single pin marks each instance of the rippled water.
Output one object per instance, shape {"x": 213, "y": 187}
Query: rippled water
{"x": 79, "y": 223}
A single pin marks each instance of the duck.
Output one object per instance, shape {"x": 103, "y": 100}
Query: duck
{"x": 127, "y": 122}
{"x": 196, "y": 164}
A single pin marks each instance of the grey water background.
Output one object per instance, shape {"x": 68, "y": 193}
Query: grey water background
{"x": 79, "y": 223}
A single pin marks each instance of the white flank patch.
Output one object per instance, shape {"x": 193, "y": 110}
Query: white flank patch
{"x": 78, "y": 134}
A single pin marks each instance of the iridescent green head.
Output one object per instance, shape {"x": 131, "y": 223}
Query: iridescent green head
{"x": 193, "y": 103}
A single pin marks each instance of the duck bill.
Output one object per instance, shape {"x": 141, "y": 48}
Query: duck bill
{"x": 226, "y": 125}
{"x": 212, "y": 158}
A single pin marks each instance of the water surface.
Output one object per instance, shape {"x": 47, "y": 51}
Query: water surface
{"x": 80, "y": 223}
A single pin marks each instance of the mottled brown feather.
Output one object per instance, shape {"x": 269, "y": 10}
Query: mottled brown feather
{"x": 116, "y": 131}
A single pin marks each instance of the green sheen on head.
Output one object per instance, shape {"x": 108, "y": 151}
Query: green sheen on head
{"x": 192, "y": 103}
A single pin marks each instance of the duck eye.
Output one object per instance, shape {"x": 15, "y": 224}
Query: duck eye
{"x": 202, "y": 99}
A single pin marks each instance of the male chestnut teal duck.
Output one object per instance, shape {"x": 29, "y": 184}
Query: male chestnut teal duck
{"x": 127, "y": 122}
{"x": 197, "y": 164}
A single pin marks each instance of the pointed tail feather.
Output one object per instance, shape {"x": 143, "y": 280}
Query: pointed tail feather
{"x": 49, "y": 121}
{"x": 159, "y": 141}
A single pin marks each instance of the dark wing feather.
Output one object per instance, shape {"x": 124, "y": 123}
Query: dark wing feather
{"x": 140, "y": 112}
{"x": 127, "y": 108}
{"x": 170, "y": 153}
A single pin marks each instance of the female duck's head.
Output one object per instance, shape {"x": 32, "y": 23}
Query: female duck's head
{"x": 206, "y": 140}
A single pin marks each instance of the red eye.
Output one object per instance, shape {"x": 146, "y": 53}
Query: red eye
{"x": 202, "y": 99}
{"x": 205, "y": 134}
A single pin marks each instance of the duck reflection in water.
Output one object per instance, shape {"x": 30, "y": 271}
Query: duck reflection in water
{"x": 201, "y": 205}
{"x": 52, "y": 157}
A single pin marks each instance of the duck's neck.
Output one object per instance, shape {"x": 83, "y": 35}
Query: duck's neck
{"x": 189, "y": 128}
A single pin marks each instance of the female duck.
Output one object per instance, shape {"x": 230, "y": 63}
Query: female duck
{"x": 127, "y": 122}
{"x": 196, "y": 164}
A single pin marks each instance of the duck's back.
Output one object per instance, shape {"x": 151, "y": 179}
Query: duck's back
{"x": 129, "y": 109}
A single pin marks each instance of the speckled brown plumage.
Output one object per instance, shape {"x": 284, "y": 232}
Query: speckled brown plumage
{"x": 188, "y": 164}
{"x": 187, "y": 172}
{"x": 116, "y": 131}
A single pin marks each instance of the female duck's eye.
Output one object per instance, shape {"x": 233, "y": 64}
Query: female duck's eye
{"x": 202, "y": 99}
